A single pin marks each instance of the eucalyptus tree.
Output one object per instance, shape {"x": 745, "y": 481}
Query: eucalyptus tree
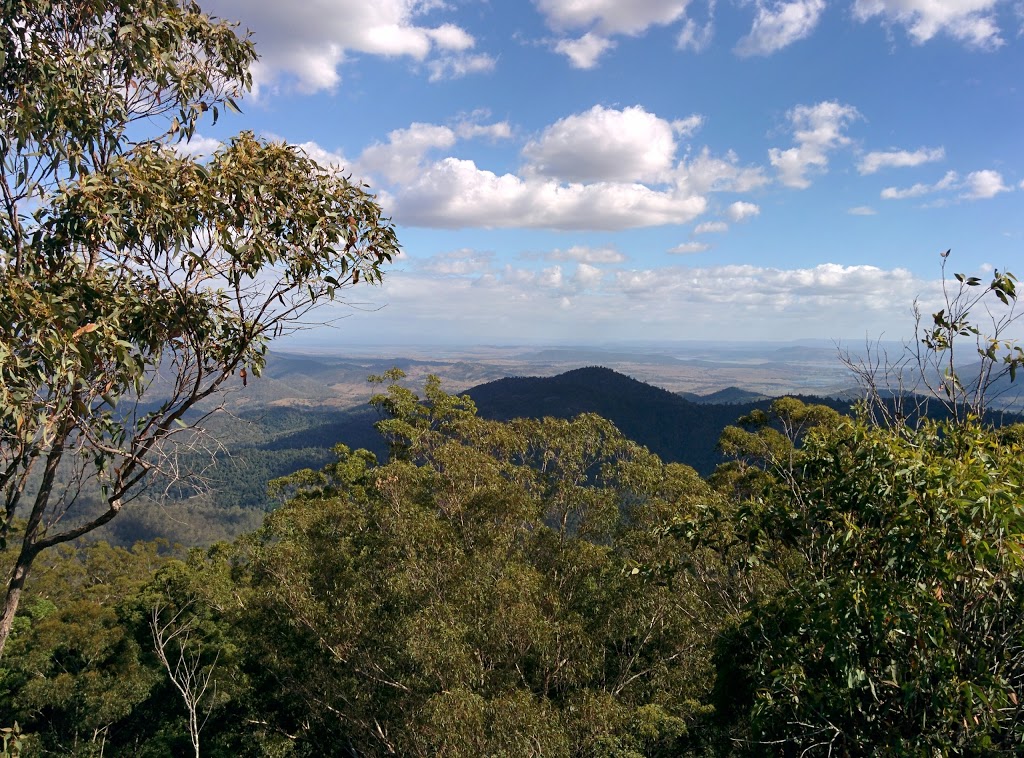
{"x": 479, "y": 594}
{"x": 135, "y": 278}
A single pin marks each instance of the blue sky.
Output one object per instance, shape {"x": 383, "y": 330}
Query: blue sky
{"x": 584, "y": 171}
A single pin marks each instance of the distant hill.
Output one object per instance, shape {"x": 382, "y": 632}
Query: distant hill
{"x": 676, "y": 429}
{"x": 259, "y": 444}
{"x": 727, "y": 396}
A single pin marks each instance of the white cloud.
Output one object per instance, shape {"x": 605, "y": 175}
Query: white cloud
{"x": 603, "y": 19}
{"x": 587, "y": 276}
{"x": 875, "y": 161}
{"x": 818, "y": 129}
{"x": 458, "y": 66}
{"x": 551, "y": 278}
{"x": 706, "y": 173}
{"x": 689, "y": 248}
{"x": 977, "y": 185}
{"x": 826, "y": 292}
{"x": 611, "y": 16}
{"x": 451, "y": 37}
{"x": 497, "y": 301}
{"x": 324, "y": 157}
{"x": 604, "y": 144}
{"x": 982, "y": 185}
{"x": 779, "y": 24}
{"x": 862, "y": 210}
{"x": 969, "y": 21}
{"x": 711, "y": 227}
{"x": 740, "y": 211}
{"x": 198, "y": 146}
{"x": 457, "y": 263}
{"x": 308, "y": 42}
{"x": 603, "y": 169}
{"x": 694, "y": 37}
{"x": 584, "y": 52}
{"x": 919, "y": 189}
{"x": 470, "y": 129}
{"x": 456, "y": 193}
{"x": 686, "y": 127}
{"x": 585, "y": 254}
{"x": 400, "y": 158}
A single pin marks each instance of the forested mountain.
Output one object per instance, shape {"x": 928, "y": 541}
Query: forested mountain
{"x": 675, "y": 428}
{"x": 262, "y": 443}
{"x": 550, "y": 587}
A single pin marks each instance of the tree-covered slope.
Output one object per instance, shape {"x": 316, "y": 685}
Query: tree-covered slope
{"x": 671, "y": 426}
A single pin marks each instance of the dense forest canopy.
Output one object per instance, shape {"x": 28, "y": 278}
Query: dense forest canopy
{"x": 547, "y": 587}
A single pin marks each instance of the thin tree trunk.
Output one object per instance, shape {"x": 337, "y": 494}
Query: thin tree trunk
{"x": 29, "y": 549}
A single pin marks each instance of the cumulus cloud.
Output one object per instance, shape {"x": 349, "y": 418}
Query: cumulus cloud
{"x": 587, "y": 276}
{"x": 981, "y": 185}
{"x": 603, "y": 19}
{"x": 602, "y": 169}
{"x": 917, "y": 190}
{"x": 771, "y": 293}
{"x": 306, "y": 43}
{"x": 198, "y": 146}
{"x": 862, "y": 210}
{"x": 399, "y": 159}
{"x": 969, "y": 21}
{"x": 585, "y": 51}
{"x": 689, "y": 248}
{"x": 695, "y": 37}
{"x": 686, "y": 127}
{"x": 468, "y": 129}
{"x": 451, "y": 37}
{"x": 779, "y": 24}
{"x": 876, "y": 161}
{"x": 611, "y": 16}
{"x": 584, "y": 254}
{"x": 708, "y": 173}
{"x": 740, "y": 211}
{"x": 324, "y": 157}
{"x": 458, "y": 263}
{"x": 458, "y": 66}
{"x": 604, "y": 144}
{"x": 977, "y": 185}
{"x": 818, "y": 130}
{"x": 456, "y": 193}
{"x": 478, "y": 297}
{"x": 711, "y": 227}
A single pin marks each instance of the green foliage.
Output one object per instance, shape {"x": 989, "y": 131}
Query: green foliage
{"x": 899, "y": 628}
{"x": 74, "y": 672}
{"x": 764, "y": 445}
{"x": 548, "y": 587}
{"x": 961, "y": 361}
{"x": 474, "y": 596}
{"x": 11, "y": 743}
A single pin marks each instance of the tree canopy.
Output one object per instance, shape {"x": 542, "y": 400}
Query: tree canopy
{"x": 135, "y": 277}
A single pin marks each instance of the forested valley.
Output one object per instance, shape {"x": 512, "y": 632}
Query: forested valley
{"x": 549, "y": 587}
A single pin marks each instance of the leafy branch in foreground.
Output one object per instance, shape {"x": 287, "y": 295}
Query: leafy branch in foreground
{"x": 136, "y": 279}
{"x": 956, "y": 360}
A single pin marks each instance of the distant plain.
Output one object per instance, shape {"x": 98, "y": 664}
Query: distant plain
{"x": 335, "y": 377}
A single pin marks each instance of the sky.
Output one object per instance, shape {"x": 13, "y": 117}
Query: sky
{"x": 599, "y": 171}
